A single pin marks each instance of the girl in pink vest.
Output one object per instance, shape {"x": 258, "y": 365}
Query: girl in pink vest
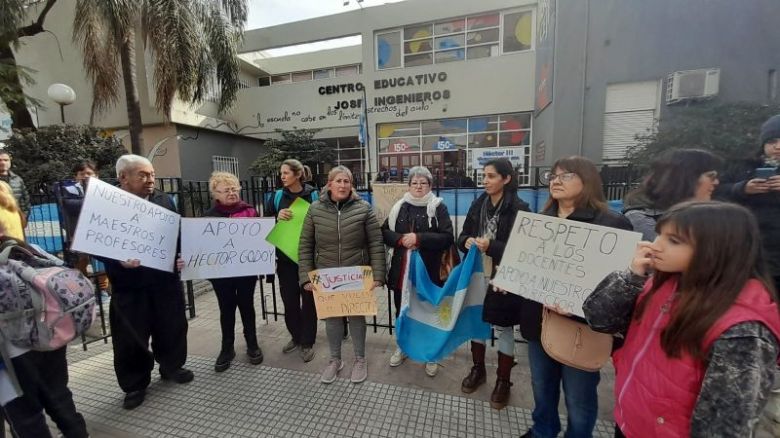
{"x": 701, "y": 325}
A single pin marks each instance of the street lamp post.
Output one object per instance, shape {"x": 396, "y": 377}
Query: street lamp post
{"x": 62, "y": 95}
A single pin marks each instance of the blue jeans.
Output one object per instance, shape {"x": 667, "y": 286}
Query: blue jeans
{"x": 579, "y": 390}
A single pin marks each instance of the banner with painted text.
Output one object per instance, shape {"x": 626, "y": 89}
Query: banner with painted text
{"x": 119, "y": 225}
{"x": 343, "y": 291}
{"x": 558, "y": 261}
{"x": 216, "y": 247}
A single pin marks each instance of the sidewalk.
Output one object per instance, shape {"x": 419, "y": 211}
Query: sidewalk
{"x": 284, "y": 398}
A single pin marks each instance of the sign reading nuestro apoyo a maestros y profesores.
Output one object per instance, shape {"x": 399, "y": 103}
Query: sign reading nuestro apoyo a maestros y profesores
{"x": 119, "y": 225}
{"x": 558, "y": 261}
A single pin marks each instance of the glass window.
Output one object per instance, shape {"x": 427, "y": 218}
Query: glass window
{"x": 347, "y": 70}
{"x": 482, "y": 37}
{"x": 399, "y": 145}
{"x": 415, "y": 32}
{"x": 518, "y": 31}
{"x": 323, "y": 73}
{"x": 481, "y": 124}
{"x": 450, "y": 56}
{"x": 398, "y": 129}
{"x": 417, "y": 46}
{"x": 301, "y": 76}
{"x": 264, "y": 82}
{"x": 446, "y": 27}
{"x": 514, "y": 138}
{"x": 482, "y": 51}
{"x": 413, "y": 60}
{"x": 515, "y": 121}
{"x": 281, "y": 79}
{"x": 445, "y": 126}
{"x": 487, "y": 140}
{"x": 482, "y": 21}
{"x": 443, "y": 142}
{"x": 350, "y": 154}
{"x": 388, "y": 49}
{"x": 450, "y": 42}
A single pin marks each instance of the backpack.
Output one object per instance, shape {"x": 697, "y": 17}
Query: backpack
{"x": 43, "y": 305}
{"x": 278, "y": 198}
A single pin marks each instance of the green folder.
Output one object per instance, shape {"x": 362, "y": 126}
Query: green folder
{"x": 286, "y": 235}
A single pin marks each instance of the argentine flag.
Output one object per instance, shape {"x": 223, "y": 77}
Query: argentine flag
{"x": 434, "y": 320}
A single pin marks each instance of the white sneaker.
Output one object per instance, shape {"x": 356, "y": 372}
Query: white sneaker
{"x": 431, "y": 368}
{"x": 397, "y": 358}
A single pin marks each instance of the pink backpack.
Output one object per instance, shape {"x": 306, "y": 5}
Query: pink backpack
{"x": 43, "y": 305}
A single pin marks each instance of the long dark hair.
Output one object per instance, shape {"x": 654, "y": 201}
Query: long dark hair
{"x": 592, "y": 195}
{"x": 674, "y": 176}
{"x": 726, "y": 254}
{"x": 504, "y": 168}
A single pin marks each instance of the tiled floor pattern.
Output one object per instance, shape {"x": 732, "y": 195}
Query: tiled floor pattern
{"x": 260, "y": 401}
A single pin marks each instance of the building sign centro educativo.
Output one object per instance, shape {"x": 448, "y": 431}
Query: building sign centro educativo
{"x": 342, "y": 104}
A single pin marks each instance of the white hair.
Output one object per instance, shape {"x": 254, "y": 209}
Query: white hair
{"x": 129, "y": 161}
{"x": 420, "y": 171}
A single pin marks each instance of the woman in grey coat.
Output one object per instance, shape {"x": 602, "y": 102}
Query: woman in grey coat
{"x": 341, "y": 230}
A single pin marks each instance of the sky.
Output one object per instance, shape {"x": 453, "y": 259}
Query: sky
{"x": 264, "y": 13}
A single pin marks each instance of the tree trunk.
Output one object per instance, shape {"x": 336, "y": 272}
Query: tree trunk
{"x": 135, "y": 125}
{"x": 20, "y": 115}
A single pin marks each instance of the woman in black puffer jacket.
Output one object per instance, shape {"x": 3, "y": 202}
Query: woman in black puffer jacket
{"x": 488, "y": 225}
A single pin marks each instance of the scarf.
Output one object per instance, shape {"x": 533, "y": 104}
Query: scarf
{"x": 235, "y": 210}
{"x": 429, "y": 200}
{"x": 488, "y": 223}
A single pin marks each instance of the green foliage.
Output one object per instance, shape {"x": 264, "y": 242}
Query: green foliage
{"x": 299, "y": 144}
{"x": 47, "y": 155}
{"x": 10, "y": 76}
{"x": 731, "y": 130}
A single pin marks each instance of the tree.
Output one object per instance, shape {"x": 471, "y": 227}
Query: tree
{"x": 299, "y": 144}
{"x": 731, "y": 130}
{"x": 13, "y": 77}
{"x": 191, "y": 41}
{"x": 47, "y": 155}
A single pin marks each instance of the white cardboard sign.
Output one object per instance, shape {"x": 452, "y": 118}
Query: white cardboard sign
{"x": 119, "y": 225}
{"x": 558, "y": 261}
{"x": 216, "y": 247}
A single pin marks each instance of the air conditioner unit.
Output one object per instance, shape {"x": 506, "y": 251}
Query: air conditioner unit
{"x": 692, "y": 84}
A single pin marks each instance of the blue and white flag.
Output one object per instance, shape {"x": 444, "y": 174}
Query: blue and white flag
{"x": 434, "y": 321}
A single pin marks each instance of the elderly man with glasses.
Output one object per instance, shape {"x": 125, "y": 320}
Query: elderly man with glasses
{"x": 146, "y": 303}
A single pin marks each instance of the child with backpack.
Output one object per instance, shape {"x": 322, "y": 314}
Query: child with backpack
{"x": 701, "y": 324}
{"x": 34, "y": 369}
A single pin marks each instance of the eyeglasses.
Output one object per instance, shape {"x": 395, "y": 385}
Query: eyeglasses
{"x": 228, "y": 191}
{"x": 549, "y": 177}
{"x": 419, "y": 184}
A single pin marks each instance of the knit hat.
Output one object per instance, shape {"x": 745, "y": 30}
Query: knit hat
{"x": 770, "y": 129}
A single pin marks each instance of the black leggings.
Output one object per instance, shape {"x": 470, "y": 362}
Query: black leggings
{"x": 43, "y": 377}
{"x": 232, "y": 293}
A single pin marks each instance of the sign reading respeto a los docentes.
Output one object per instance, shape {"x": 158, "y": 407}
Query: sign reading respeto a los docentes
{"x": 558, "y": 262}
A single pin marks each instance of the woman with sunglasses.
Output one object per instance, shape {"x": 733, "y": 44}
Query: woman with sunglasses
{"x": 576, "y": 194}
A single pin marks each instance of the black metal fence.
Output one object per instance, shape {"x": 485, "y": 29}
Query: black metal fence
{"x": 193, "y": 198}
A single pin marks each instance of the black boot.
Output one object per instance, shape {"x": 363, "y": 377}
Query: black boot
{"x": 226, "y": 355}
{"x": 477, "y": 376}
{"x": 253, "y": 351}
{"x": 500, "y": 396}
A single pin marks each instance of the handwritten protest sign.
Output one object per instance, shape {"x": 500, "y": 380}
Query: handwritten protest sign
{"x": 385, "y": 196}
{"x": 558, "y": 261}
{"x": 119, "y": 225}
{"x": 343, "y": 291}
{"x": 216, "y": 247}
{"x": 286, "y": 235}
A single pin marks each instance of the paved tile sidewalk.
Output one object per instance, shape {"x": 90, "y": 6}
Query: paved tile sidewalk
{"x": 253, "y": 401}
